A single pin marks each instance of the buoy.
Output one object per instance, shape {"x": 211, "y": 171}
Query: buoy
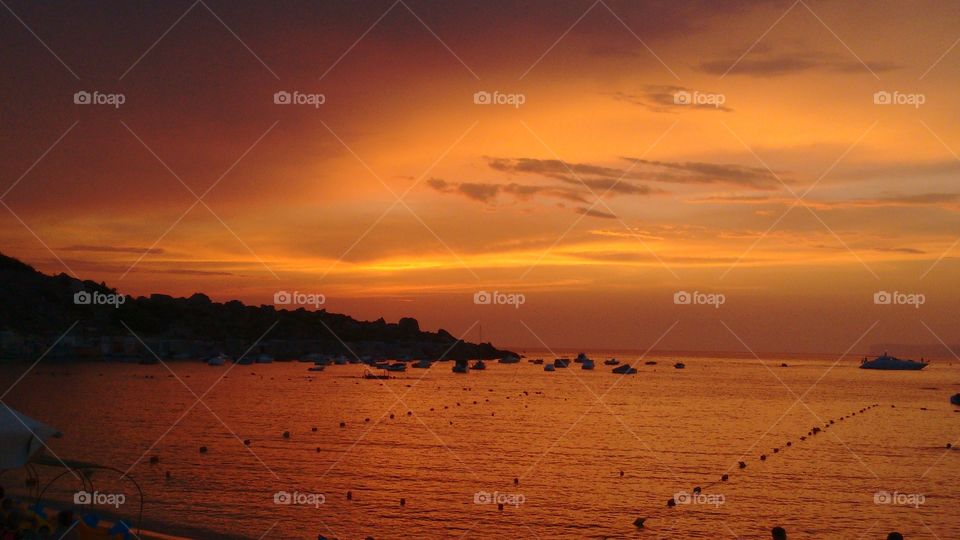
{"x": 203, "y": 449}
{"x": 639, "y": 522}
{"x": 949, "y": 445}
{"x": 763, "y": 457}
{"x": 671, "y": 503}
{"x": 776, "y": 450}
{"x": 313, "y": 429}
{"x": 621, "y": 474}
{"x": 697, "y": 489}
{"x": 246, "y": 442}
{"x": 366, "y": 419}
{"x": 403, "y": 502}
{"x": 318, "y": 449}
{"x": 343, "y": 424}
{"x": 789, "y": 443}
{"x": 724, "y": 478}
{"x": 168, "y": 475}
{"x": 742, "y": 465}
{"x": 286, "y": 434}
{"x": 391, "y": 416}
{"x": 500, "y": 507}
{"x": 349, "y": 495}
{"x": 154, "y": 459}
{"x": 516, "y": 481}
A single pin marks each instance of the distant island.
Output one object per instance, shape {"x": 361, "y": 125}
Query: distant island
{"x": 36, "y": 309}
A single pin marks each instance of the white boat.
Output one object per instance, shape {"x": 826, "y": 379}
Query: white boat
{"x": 264, "y": 359}
{"x": 479, "y": 365}
{"x": 549, "y": 367}
{"x": 892, "y": 363}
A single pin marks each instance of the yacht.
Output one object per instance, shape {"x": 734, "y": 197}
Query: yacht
{"x": 625, "y": 369}
{"x": 887, "y": 362}
{"x": 561, "y": 362}
{"x": 478, "y": 365}
{"x": 581, "y": 358}
{"x": 611, "y": 362}
{"x": 587, "y": 364}
{"x": 537, "y": 362}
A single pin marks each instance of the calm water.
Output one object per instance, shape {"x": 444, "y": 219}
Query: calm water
{"x": 564, "y": 435}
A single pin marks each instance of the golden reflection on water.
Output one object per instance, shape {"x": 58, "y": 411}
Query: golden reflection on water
{"x": 564, "y": 436}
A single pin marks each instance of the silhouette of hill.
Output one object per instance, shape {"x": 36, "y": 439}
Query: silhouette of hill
{"x": 37, "y": 308}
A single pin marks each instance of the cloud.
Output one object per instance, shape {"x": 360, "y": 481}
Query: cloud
{"x": 770, "y": 64}
{"x": 661, "y": 99}
{"x": 112, "y": 249}
{"x": 593, "y": 212}
{"x": 949, "y": 201}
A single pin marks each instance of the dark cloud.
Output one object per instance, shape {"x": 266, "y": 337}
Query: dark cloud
{"x": 662, "y": 99}
{"x": 779, "y": 64}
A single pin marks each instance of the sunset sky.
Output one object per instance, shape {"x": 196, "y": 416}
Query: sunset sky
{"x": 597, "y": 198}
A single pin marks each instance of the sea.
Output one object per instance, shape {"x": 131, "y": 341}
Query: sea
{"x": 512, "y": 451}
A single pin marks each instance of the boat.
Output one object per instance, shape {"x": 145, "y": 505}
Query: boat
{"x": 340, "y": 360}
{"x": 581, "y": 358}
{"x": 460, "y": 366}
{"x": 264, "y": 359}
{"x": 510, "y": 359}
{"x": 316, "y": 368}
{"x": 955, "y": 399}
{"x": 537, "y": 362}
{"x": 587, "y": 364}
{"x": 396, "y": 366}
{"x": 381, "y": 365}
{"x": 651, "y": 362}
{"x": 549, "y": 367}
{"x": 611, "y": 362}
{"x": 244, "y": 360}
{"x": 891, "y": 363}
{"x": 625, "y": 369}
{"x": 218, "y": 360}
{"x": 423, "y": 364}
{"x": 478, "y": 365}
{"x": 370, "y": 375}
{"x": 679, "y": 365}
{"x": 561, "y": 362}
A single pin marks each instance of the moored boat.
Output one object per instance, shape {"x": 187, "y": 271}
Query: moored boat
{"x": 955, "y": 399}
{"x": 561, "y": 362}
{"x": 625, "y": 369}
{"x": 549, "y": 367}
{"x": 611, "y": 362}
{"x": 587, "y": 364}
{"x": 679, "y": 365}
{"x": 479, "y": 365}
{"x": 892, "y": 363}
{"x": 218, "y": 360}
{"x": 510, "y": 359}
{"x": 396, "y": 366}
{"x": 264, "y": 359}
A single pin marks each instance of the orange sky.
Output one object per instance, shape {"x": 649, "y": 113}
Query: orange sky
{"x": 598, "y": 198}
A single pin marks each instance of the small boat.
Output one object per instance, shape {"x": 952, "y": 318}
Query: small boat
{"x": 537, "y": 362}
{"x": 381, "y": 365}
{"x": 625, "y": 369}
{"x": 264, "y": 359}
{"x": 460, "y": 366}
{"x": 510, "y": 359}
{"x": 396, "y": 366}
{"x": 679, "y": 365}
{"x": 244, "y": 361}
{"x": 478, "y": 365}
{"x": 581, "y": 358}
{"x": 218, "y": 360}
{"x": 891, "y": 363}
{"x": 371, "y": 375}
{"x": 148, "y": 360}
{"x": 651, "y": 362}
{"x": 340, "y": 360}
{"x": 561, "y": 362}
{"x": 955, "y": 399}
{"x": 549, "y": 367}
{"x": 611, "y": 362}
{"x": 316, "y": 368}
{"x": 423, "y": 364}
{"x": 587, "y": 364}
